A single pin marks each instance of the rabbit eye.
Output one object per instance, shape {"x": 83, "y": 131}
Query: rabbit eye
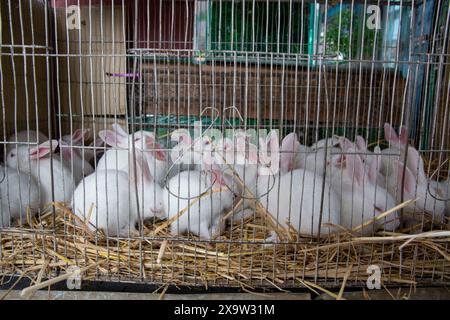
{"x": 12, "y": 155}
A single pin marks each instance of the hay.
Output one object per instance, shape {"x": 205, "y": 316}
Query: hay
{"x": 240, "y": 257}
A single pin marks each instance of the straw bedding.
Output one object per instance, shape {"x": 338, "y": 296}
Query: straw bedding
{"x": 49, "y": 244}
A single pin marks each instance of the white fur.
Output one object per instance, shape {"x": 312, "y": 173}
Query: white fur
{"x": 296, "y": 198}
{"x": 360, "y": 197}
{"x": 37, "y": 162}
{"x": 112, "y": 196}
{"x": 415, "y": 180}
{"x": 74, "y": 160}
{"x": 203, "y": 217}
{"x": 117, "y": 159}
{"x": 19, "y": 193}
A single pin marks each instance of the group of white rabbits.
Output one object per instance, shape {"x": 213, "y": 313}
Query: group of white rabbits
{"x": 313, "y": 189}
{"x": 358, "y": 185}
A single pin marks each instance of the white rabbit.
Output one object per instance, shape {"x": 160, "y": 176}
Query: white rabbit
{"x": 109, "y": 196}
{"x": 79, "y": 138}
{"x": 293, "y": 153}
{"x": 377, "y": 155}
{"x": 19, "y": 193}
{"x": 31, "y": 136}
{"x": 360, "y": 197}
{"x": 296, "y": 196}
{"x": 312, "y": 159}
{"x": 156, "y": 155}
{"x": 396, "y": 151}
{"x": 117, "y": 159}
{"x": 444, "y": 188}
{"x": 361, "y": 148}
{"x": 202, "y": 216}
{"x": 37, "y": 162}
{"x": 239, "y": 159}
{"x": 416, "y": 182}
{"x": 269, "y": 155}
{"x": 95, "y": 151}
{"x": 442, "y": 192}
{"x": 187, "y": 154}
{"x": 415, "y": 188}
{"x": 181, "y": 154}
{"x": 73, "y": 157}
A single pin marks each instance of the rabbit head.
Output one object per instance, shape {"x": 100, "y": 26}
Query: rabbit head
{"x": 141, "y": 140}
{"x": 361, "y": 197}
{"x": 361, "y": 147}
{"x": 408, "y": 181}
{"x": 399, "y": 144}
{"x": 188, "y": 151}
{"x": 22, "y": 156}
{"x": 238, "y": 157}
{"x": 290, "y": 157}
{"x": 149, "y": 193}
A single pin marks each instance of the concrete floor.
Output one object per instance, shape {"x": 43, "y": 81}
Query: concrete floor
{"x": 419, "y": 294}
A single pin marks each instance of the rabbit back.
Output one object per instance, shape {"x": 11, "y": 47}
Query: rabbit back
{"x": 104, "y": 198}
{"x": 296, "y": 197}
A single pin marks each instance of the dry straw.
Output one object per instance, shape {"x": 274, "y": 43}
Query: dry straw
{"x": 239, "y": 257}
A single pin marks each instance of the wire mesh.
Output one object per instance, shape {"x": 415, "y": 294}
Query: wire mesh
{"x": 226, "y": 143}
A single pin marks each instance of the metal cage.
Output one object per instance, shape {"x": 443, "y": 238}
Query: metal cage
{"x": 119, "y": 120}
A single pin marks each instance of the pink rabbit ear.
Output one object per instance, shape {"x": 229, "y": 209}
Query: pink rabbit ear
{"x": 66, "y": 150}
{"x": 273, "y": 142}
{"x": 79, "y": 135}
{"x": 43, "y": 149}
{"x": 151, "y": 144}
{"x": 354, "y": 168}
{"x": 415, "y": 163}
{"x": 119, "y": 130}
{"x": 410, "y": 181}
{"x": 158, "y": 152}
{"x": 373, "y": 169}
{"x": 403, "y": 136}
{"x": 218, "y": 177}
{"x": 274, "y": 148}
{"x": 270, "y": 145}
{"x": 339, "y": 161}
{"x": 390, "y": 135}
{"x": 142, "y": 170}
{"x": 289, "y": 147}
{"x": 148, "y": 137}
{"x": 345, "y": 144}
{"x": 361, "y": 143}
{"x": 113, "y": 139}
